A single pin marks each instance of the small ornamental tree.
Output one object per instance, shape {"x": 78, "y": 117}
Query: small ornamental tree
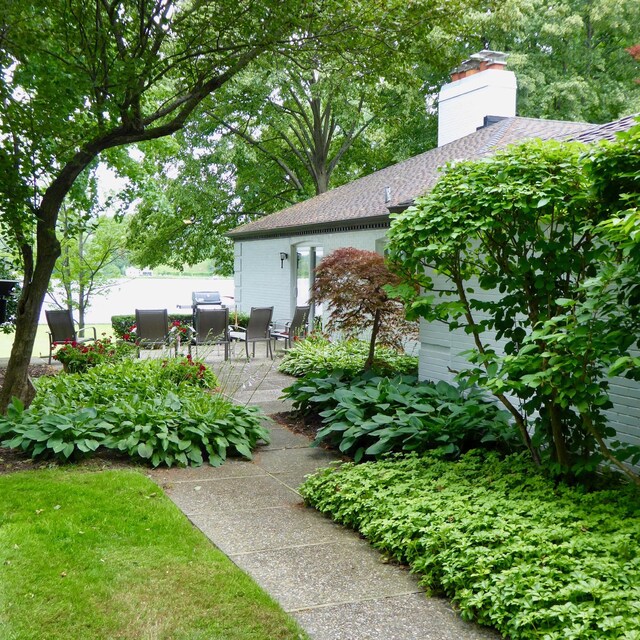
{"x": 534, "y": 254}
{"x": 353, "y": 283}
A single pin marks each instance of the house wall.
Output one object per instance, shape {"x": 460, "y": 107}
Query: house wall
{"x": 261, "y": 281}
{"x": 440, "y": 357}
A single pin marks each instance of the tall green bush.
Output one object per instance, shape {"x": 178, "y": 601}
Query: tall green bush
{"x": 530, "y": 224}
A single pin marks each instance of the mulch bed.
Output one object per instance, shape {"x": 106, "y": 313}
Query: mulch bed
{"x": 308, "y": 425}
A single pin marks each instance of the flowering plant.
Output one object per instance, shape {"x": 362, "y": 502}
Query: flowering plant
{"x": 130, "y": 334}
{"x": 180, "y": 333}
{"x": 77, "y": 357}
{"x": 189, "y": 370}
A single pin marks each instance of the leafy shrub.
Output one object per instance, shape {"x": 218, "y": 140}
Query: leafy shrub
{"x": 78, "y": 357}
{"x": 373, "y": 415}
{"x": 186, "y": 369}
{"x": 513, "y": 549}
{"x": 316, "y": 354}
{"x": 140, "y": 407}
{"x": 122, "y": 324}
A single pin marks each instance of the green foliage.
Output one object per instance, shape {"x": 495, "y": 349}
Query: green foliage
{"x": 78, "y": 540}
{"x": 122, "y": 324}
{"x": 7, "y": 272}
{"x": 526, "y": 226}
{"x": 572, "y": 58}
{"x": 316, "y": 353}
{"x": 369, "y": 416}
{"x": 512, "y": 549}
{"x": 153, "y": 410}
{"x": 78, "y": 357}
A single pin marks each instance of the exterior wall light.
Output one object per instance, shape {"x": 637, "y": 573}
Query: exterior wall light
{"x": 283, "y": 256}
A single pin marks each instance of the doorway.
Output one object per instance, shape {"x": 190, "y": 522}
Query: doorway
{"x": 307, "y": 260}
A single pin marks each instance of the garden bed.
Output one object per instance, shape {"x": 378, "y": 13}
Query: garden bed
{"x": 512, "y": 548}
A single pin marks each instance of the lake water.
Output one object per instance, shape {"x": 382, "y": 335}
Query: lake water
{"x": 128, "y": 294}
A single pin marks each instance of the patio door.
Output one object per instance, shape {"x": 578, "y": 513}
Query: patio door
{"x": 308, "y": 259}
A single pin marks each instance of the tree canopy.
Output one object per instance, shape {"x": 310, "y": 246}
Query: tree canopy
{"x": 79, "y": 78}
{"x": 573, "y": 58}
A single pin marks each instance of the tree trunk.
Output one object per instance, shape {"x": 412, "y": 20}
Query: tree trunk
{"x": 555, "y": 417}
{"x": 81, "y": 290}
{"x": 16, "y": 382}
{"x": 372, "y": 342}
{"x": 322, "y": 177}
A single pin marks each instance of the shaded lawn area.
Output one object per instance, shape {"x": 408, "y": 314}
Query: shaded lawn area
{"x": 107, "y": 555}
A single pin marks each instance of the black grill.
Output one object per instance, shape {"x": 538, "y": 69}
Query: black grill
{"x": 199, "y": 298}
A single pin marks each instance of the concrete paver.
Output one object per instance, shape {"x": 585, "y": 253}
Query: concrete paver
{"x": 404, "y": 617}
{"x": 307, "y": 576}
{"x": 255, "y": 530}
{"x": 332, "y": 581}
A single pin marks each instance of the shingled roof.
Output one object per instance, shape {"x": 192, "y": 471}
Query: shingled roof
{"x": 366, "y": 202}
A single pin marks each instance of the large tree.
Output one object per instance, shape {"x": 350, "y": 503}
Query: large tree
{"x": 80, "y": 77}
{"x": 571, "y": 57}
{"x": 291, "y": 129}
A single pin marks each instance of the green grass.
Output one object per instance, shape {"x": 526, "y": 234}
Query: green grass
{"x": 106, "y": 555}
{"x": 41, "y": 345}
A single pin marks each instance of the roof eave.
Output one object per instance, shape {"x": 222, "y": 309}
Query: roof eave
{"x": 333, "y": 226}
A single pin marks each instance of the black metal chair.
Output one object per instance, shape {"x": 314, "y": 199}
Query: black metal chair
{"x": 212, "y": 328}
{"x": 62, "y": 329}
{"x": 152, "y": 328}
{"x": 258, "y": 330}
{"x": 293, "y": 329}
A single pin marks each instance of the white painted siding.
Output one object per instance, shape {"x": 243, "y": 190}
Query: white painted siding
{"x": 261, "y": 282}
{"x": 440, "y": 351}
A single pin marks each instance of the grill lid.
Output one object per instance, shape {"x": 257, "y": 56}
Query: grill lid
{"x": 205, "y": 297}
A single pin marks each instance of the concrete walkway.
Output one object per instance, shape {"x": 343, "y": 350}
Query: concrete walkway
{"x": 324, "y": 575}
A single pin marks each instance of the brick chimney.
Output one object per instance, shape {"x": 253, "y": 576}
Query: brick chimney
{"x": 480, "y": 87}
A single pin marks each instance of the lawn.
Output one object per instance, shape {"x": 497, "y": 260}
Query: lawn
{"x": 106, "y": 555}
{"x": 41, "y": 345}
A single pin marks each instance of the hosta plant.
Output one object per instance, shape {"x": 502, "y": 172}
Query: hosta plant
{"x": 373, "y": 415}
{"x": 143, "y": 408}
{"x": 317, "y": 353}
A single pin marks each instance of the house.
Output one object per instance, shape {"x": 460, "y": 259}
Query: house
{"x": 476, "y": 116}
{"x": 275, "y": 255}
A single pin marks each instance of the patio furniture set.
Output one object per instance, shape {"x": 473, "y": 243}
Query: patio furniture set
{"x": 210, "y": 327}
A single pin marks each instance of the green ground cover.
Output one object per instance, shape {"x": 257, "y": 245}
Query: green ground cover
{"x": 41, "y": 346}
{"x": 107, "y": 555}
{"x": 316, "y": 353}
{"x": 513, "y": 549}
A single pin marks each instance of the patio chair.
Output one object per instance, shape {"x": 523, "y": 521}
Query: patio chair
{"x": 292, "y": 329}
{"x": 212, "y": 327}
{"x": 63, "y": 329}
{"x": 152, "y": 328}
{"x": 258, "y": 330}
